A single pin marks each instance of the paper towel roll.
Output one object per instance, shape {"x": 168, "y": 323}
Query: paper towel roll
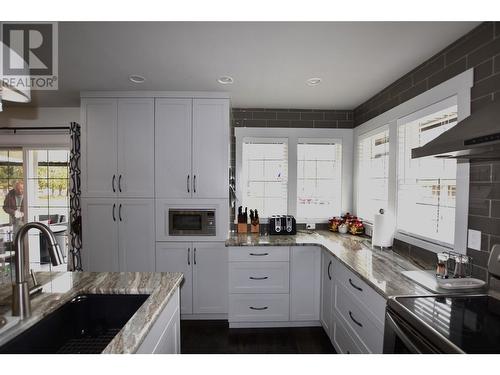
{"x": 383, "y": 230}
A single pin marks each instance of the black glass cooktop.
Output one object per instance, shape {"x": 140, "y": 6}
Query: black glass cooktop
{"x": 470, "y": 322}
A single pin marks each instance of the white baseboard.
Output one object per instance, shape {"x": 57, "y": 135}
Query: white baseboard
{"x": 274, "y": 324}
{"x": 204, "y": 317}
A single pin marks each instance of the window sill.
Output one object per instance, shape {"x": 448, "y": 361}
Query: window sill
{"x": 426, "y": 245}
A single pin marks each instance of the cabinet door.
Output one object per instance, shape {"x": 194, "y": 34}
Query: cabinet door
{"x": 326, "y": 291}
{"x": 99, "y": 147}
{"x": 178, "y": 257}
{"x": 173, "y": 131}
{"x": 210, "y": 278}
{"x": 136, "y": 235}
{"x": 100, "y": 235}
{"x": 305, "y": 283}
{"x": 210, "y": 148}
{"x": 136, "y": 148}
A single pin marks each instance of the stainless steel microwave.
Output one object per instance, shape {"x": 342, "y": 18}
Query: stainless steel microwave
{"x": 190, "y": 222}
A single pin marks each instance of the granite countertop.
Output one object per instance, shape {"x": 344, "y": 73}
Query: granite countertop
{"x": 61, "y": 287}
{"x": 381, "y": 269}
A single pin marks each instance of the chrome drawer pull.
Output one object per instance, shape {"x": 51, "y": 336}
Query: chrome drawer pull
{"x": 258, "y": 278}
{"x": 258, "y": 308}
{"x": 259, "y": 254}
{"x": 354, "y": 320}
{"x": 329, "y": 275}
{"x": 355, "y": 286}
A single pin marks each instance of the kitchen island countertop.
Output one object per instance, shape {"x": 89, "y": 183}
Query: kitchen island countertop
{"x": 381, "y": 269}
{"x": 61, "y": 287}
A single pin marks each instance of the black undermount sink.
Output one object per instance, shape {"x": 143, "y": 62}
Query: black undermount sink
{"x": 86, "y": 324}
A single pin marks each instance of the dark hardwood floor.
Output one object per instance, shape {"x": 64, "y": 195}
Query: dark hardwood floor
{"x": 215, "y": 337}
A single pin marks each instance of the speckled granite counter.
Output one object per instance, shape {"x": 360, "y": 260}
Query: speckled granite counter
{"x": 381, "y": 269}
{"x": 62, "y": 287}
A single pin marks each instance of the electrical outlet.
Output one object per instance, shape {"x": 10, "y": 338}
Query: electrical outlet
{"x": 311, "y": 226}
{"x": 474, "y": 241}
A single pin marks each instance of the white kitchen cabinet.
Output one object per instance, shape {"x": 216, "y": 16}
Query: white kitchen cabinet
{"x": 177, "y": 257}
{"x": 204, "y": 265}
{"x": 210, "y": 278}
{"x": 326, "y": 291}
{"x": 164, "y": 335}
{"x": 305, "y": 283}
{"x": 100, "y": 235}
{"x": 173, "y": 148}
{"x": 136, "y": 235}
{"x": 192, "y": 148}
{"x": 99, "y": 147}
{"x": 117, "y": 147}
{"x": 210, "y": 148}
{"x": 135, "y": 148}
{"x": 359, "y": 309}
{"x": 118, "y": 235}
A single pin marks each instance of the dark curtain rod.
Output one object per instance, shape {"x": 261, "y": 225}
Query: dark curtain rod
{"x": 16, "y": 129}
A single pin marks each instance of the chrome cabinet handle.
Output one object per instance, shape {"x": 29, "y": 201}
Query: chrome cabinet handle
{"x": 258, "y": 308}
{"x": 120, "y": 212}
{"x": 113, "y": 183}
{"x": 114, "y": 206}
{"x": 355, "y": 286}
{"x": 258, "y": 278}
{"x": 120, "y": 183}
{"x": 189, "y": 251}
{"x": 329, "y": 275}
{"x": 187, "y": 183}
{"x": 259, "y": 254}
{"x": 194, "y": 184}
{"x": 194, "y": 255}
{"x": 354, "y": 320}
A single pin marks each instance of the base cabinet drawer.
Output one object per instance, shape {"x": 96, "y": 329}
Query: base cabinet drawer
{"x": 259, "y": 254}
{"x": 342, "y": 341}
{"x": 259, "y": 307}
{"x": 371, "y": 300}
{"x": 259, "y": 277}
{"x": 359, "y": 320}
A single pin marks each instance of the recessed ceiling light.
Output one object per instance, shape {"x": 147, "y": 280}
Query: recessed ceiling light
{"x": 136, "y": 78}
{"x": 225, "y": 80}
{"x": 313, "y": 81}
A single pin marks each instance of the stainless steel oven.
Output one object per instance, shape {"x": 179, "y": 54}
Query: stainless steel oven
{"x": 191, "y": 222}
{"x": 401, "y": 338}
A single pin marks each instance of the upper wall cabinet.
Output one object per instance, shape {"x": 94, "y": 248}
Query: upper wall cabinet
{"x": 118, "y": 147}
{"x": 192, "y": 148}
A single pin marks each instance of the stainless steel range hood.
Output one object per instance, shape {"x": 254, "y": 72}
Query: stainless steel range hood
{"x": 476, "y": 137}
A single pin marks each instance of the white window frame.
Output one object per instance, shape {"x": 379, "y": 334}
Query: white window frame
{"x": 344, "y": 136}
{"x": 360, "y": 138}
{"x": 459, "y": 87}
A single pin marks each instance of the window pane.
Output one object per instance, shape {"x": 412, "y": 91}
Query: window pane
{"x": 58, "y": 163}
{"x": 318, "y": 179}
{"x": 373, "y": 174}
{"x": 265, "y": 176}
{"x": 426, "y": 186}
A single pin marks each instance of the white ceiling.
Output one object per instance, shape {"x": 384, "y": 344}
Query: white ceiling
{"x": 268, "y": 61}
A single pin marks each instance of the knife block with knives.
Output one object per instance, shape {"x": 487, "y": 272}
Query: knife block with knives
{"x": 242, "y": 220}
{"x": 254, "y": 222}
{"x": 242, "y": 226}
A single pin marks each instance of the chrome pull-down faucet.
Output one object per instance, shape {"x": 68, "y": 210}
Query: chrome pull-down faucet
{"x": 21, "y": 305}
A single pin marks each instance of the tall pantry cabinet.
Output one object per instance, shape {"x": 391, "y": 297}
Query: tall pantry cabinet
{"x": 117, "y": 184}
{"x": 143, "y": 152}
